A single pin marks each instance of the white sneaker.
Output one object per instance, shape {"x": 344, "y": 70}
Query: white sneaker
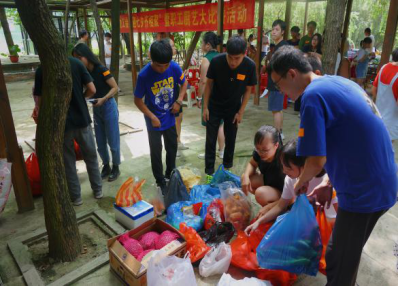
{"x": 178, "y": 154}
{"x": 221, "y": 154}
{"x": 181, "y": 146}
{"x": 202, "y": 156}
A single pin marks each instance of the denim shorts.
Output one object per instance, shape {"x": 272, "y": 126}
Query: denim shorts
{"x": 275, "y": 101}
{"x": 362, "y": 69}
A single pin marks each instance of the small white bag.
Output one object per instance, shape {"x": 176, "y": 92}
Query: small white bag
{"x": 227, "y": 280}
{"x": 170, "y": 270}
{"x": 5, "y": 182}
{"x": 216, "y": 261}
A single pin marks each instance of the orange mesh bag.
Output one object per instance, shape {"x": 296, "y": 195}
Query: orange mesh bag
{"x": 325, "y": 228}
{"x": 196, "y": 247}
{"x": 129, "y": 193}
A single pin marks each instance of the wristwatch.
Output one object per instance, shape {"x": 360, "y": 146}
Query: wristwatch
{"x": 179, "y": 102}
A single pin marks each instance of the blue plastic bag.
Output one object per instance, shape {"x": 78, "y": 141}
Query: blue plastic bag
{"x": 204, "y": 194}
{"x": 175, "y": 216}
{"x": 293, "y": 243}
{"x": 222, "y": 175}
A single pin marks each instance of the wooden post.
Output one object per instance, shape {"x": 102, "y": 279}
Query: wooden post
{"x": 20, "y": 179}
{"x": 345, "y": 31}
{"x": 132, "y": 48}
{"x": 288, "y": 14}
{"x": 140, "y": 44}
{"x": 191, "y": 49}
{"x": 389, "y": 36}
{"x": 66, "y": 23}
{"x": 260, "y": 27}
{"x": 86, "y": 27}
{"x": 78, "y": 20}
{"x": 220, "y": 22}
{"x": 229, "y": 34}
{"x": 305, "y": 17}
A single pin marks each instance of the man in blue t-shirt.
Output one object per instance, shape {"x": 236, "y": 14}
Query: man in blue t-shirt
{"x": 340, "y": 131}
{"x": 158, "y": 82}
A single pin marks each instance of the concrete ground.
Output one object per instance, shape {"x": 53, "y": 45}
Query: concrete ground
{"x": 378, "y": 265}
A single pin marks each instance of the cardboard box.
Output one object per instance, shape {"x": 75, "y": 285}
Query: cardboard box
{"x": 134, "y": 216}
{"x": 129, "y": 269}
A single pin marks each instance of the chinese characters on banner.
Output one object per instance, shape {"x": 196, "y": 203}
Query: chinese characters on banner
{"x": 238, "y": 14}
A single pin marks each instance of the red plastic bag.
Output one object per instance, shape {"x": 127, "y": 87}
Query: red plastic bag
{"x": 325, "y": 228}
{"x": 78, "y": 152}
{"x": 276, "y": 277}
{"x": 196, "y": 247}
{"x": 242, "y": 254}
{"x": 32, "y": 168}
{"x": 257, "y": 235}
{"x": 215, "y": 213}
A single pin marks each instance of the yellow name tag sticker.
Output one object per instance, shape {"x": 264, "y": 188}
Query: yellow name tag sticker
{"x": 301, "y": 132}
{"x": 241, "y": 77}
{"x": 106, "y": 73}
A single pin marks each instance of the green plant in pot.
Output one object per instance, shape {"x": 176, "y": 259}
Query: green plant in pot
{"x": 14, "y": 56}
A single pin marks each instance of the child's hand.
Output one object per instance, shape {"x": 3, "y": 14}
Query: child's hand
{"x": 251, "y": 228}
{"x": 155, "y": 122}
{"x": 264, "y": 210}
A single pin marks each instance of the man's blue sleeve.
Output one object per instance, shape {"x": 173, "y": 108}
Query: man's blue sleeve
{"x": 140, "y": 88}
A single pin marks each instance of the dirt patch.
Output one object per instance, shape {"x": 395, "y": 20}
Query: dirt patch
{"x": 94, "y": 244}
{"x": 106, "y": 203}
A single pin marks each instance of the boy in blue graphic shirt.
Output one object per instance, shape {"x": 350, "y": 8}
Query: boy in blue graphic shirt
{"x": 340, "y": 130}
{"x": 157, "y": 82}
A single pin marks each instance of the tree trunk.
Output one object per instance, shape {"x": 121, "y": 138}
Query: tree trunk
{"x": 115, "y": 39}
{"x": 62, "y": 229}
{"x": 66, "y": 23}
{"x": 126, "y": 38}
{"x": 99, "y": 29}
{"x": 333, "y": 26}
{"x": 6, "y": 28}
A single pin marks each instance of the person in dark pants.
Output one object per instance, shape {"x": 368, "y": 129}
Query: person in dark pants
{"x": 78, "y": 128}
{"x": 106, "y": 113}
{"x": 341, "y": 131}
{"x": 230, "y": 79}
{"x": 157, "y": 82}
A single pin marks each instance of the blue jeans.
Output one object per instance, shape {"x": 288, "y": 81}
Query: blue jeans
{"x": 106, "y": 126}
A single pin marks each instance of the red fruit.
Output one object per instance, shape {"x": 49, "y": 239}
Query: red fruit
{"x": 165, "y": 238}
{"x": 149, "y": 239}
{"x": 142, "y": 254}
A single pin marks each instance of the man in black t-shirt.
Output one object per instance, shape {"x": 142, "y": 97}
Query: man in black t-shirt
{"x": 78, "y": 128}
{"x": 230, "y": 79}
{"x": 275, "y": 97}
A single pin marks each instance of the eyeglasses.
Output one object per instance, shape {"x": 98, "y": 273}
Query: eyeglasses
{"x": 261, "y": 151}
{"x": 276, "y": 82}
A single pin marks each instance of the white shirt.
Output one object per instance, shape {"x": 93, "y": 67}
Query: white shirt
{"x": 108, "y": 51}
{"x": 265, "y": 45}
{"x": 288, "y": 193}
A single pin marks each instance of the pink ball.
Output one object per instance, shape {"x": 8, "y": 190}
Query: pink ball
{"x": 165, "y": 238}
{"x": 142, "y": 254}
{"x": 133, "y": 247}
{"x": 148, "y": 240}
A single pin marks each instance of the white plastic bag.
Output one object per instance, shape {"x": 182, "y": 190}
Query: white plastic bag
{"x": 227, "y": 280}
{"x": 5, "y": 182}
{"x": 170, "y": 270}
{"x": 216, "y": 261}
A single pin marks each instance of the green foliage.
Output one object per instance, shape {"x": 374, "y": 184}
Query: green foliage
{"x": 13, "y": 50}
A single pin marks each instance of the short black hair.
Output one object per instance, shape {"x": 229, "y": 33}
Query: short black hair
{"x": 83, "y": 50}
{"x": 289, "y": 155}
{"x": 395, "y": 55}
{"x": 368, "y": 31}
{"x": 315, "y": 63}
{"x": 82, "y": 33}
{"x": 281, "y": 24}
{"x": 109, "y": 35}
{"x": 295, "y": 29}
{"x": 312, "y": 23}
{"x": 286, "y": 58}
{"x": 212, "y": 38}
{"x": 161, "y": 51}
{"x": 367, "y": 40}
{"x": 236, "y": 45}
{"x": 240, "y": 31}
{"x": 267, "y": 130}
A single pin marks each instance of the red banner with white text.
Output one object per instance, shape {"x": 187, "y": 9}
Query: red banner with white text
{"x": 238, "y": 14}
